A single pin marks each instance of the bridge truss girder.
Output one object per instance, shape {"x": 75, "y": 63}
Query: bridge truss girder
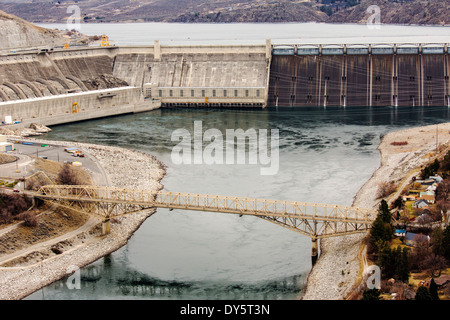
{"x": 313, "y": 220}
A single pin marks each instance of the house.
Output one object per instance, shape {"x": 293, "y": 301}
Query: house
{"x": 420, "y": 204}
{"x": 425, "y": 217}
{"x": 428, "y": 196}
{"x": 5, "y": 145}
{"x": 400, "y": 232}
{"x": 412, "y": 238}
{"x": 429, "y": 199}
{"x": 436, "y": 178}
{"x": 428, "y": 193}
{"x": 441, "y": 281}
{"x": 409, "y": 197}
{"x": 427, "y": 182}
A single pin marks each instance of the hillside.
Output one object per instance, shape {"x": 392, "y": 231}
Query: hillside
{"x": 421, "y": 12}
{"x": 16, "y": 33}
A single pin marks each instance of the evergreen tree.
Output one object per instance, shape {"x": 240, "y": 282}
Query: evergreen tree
{"x": 381, "y": 227}
{"x": 437, "y": 241}
{"x": 433, "y": 290}
{"x": 384, "y": 212}
{"x": 446, "y": 242}
{"x": 423, "y": 294}
{"x": 402, "y": 264}
{"x": 386, "y": 261}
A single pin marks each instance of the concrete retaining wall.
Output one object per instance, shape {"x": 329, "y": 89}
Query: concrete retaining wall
{"x": 93, "y": 104}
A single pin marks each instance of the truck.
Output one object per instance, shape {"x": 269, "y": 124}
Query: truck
{"x": 70, "y": 150}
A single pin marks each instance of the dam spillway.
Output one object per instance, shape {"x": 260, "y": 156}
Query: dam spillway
{"x": 45, "y": 85}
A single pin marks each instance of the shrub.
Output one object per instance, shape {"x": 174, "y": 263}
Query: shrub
{"x": 67, "y": 176}
{"x": 385, "y": 189}
{"x": 399, "y": 143}
{"x": 29, "y": 218}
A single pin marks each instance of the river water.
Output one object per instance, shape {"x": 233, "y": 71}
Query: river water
{"x": 325, "y": 156}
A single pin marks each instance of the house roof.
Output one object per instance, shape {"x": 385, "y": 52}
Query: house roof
{"x": 428, "y": 197}
{"x": 420, "y": 203}
{"x": 436, "y": 178}
{"x": 442, "y": 280}
{"x": 439, "y": 281}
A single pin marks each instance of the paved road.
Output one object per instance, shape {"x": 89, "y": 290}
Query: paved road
{"x": 24, "y": 166}
{"x": 27, "y": 154}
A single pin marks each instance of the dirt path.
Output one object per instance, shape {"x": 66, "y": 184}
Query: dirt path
{"x": 48, "y": 243}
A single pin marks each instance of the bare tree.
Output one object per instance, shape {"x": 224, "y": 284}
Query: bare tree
{"x": 385, "y": 189}
{"x": 67, "y": 175}
{"x": 435, "y": 264}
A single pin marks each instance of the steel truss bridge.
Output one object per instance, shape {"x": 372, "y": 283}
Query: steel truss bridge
{"x": 314, "y": 220}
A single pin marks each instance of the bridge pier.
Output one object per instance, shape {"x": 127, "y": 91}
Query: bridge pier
{"x": 106, "y": 226}
{"x": 315, "y": 250}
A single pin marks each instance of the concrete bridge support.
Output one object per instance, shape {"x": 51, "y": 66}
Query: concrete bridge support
{"x": 106, "y": 226}
{"x": 315, "y": 250}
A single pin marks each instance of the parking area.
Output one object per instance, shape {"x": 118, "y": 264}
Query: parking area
{"x": 26, "y": 151}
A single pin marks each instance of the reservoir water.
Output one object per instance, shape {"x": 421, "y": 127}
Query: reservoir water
{"x": 325, "y": 156}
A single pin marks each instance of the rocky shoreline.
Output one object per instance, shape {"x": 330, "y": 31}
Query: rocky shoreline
{"x": 340, "y": 267}
{"x": 120, "y": 166}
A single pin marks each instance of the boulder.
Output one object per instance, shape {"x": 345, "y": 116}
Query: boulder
{"x": 39, "y": 128}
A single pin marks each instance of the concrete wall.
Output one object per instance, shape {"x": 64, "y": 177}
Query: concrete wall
{"x": 216, "y": 96}
{"x": 176, "y": 70}
{"x": 93, "y": 104}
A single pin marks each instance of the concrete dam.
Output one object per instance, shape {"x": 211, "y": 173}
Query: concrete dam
{"x": 59, "y": 85}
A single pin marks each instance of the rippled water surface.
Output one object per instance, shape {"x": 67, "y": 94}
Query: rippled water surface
{"x": 325, "y": 156}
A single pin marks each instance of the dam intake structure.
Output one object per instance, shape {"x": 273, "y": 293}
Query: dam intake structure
{"x": 360, "y": 75}
{"x": 60, "y": 85}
